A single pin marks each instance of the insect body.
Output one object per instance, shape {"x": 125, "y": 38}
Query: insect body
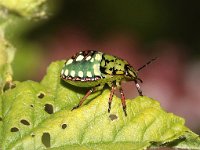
{"x": 94, "y": 69}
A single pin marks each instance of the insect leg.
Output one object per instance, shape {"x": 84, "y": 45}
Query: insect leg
{"x": 84, "y": 98}
{"x": 138, "y": 88}
{"x": 123, "y": 101}
{"x": 111, "y": 96}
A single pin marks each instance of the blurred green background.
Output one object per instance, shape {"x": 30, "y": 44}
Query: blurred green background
{"x": 136, "y": 30}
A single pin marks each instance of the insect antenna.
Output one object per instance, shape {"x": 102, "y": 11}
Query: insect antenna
{"x": 149, "y": 62}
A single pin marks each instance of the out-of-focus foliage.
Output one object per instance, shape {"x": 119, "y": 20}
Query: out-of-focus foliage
{"x": 7, "y": 52}
{"x": 26, "y": 8}
{"x": 17, "y": 18}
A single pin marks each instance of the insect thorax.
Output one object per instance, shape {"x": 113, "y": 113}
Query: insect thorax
{"x": 111, "y": 65}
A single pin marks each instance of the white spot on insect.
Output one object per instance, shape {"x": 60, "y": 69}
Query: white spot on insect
{"x": 137, "y": 85}
{"x": 98, "y": 57}
{"x": 80, "y": 74}
{"x": 69, "y": 61}
{"x": 66, "y": 72}
{"x": 79, "y": 58}
{"x": 92, "y": 60}
{"x": 89, "y": 74}
{"x": 88, "y": 58}
{"x": 62, "y": 71}
{"x": 72, "y": 73}
{"x": 96, "y": 70}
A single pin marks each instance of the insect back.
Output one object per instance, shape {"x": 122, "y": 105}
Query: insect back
{"x": 94, "y": 69}
{"x": 83, "y": 69}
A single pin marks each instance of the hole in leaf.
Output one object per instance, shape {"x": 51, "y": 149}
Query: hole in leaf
{"x": 41, "y": 95}
{"x": 14, "y": 129}
{"x": 1, "y": 119}
{"x": 48, "y": 108}
{"x": 25, "y": 122}
{"x": 31, "y": 105}
{"x": 113, "y": 117}
{"x": 46, "y": 139}
{"x": 64, "y": 125}
{"x": 32, "y": 135}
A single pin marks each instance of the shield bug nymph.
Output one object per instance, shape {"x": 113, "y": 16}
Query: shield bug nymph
{"x": 94, "y": 69}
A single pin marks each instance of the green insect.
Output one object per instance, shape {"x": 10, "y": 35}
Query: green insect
{"x": 94, "y": 69}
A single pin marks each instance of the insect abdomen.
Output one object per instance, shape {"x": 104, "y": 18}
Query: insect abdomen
{"x": 84, "y": 66}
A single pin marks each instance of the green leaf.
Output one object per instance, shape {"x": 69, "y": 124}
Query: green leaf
{"x": 38, "y": 115}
